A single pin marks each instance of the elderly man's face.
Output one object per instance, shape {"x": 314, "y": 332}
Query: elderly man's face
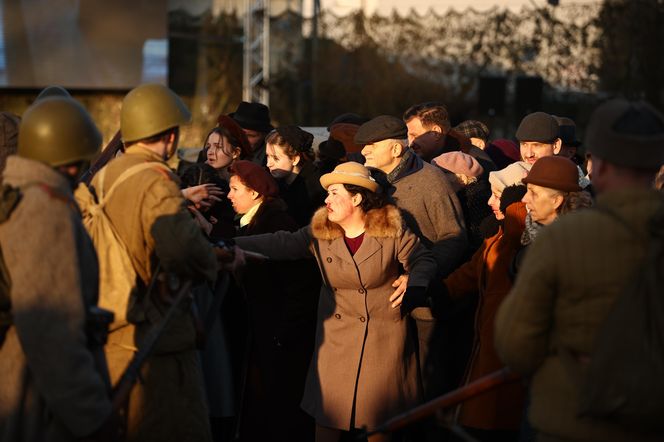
{"x": 383, "y": 155}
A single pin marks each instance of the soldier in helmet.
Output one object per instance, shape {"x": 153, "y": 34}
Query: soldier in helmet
{"x": 52, "y": 387}
{"x": 147, "y": 210}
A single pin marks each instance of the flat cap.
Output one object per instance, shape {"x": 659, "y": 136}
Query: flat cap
{"x": 625, "y": 133}
{"x": 384, "y": 127}
{"x": 473, "y": 129}
{"x": 539, "y": 127}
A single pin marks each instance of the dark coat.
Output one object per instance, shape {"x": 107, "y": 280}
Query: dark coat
{"x": 281, "y": 300}
{"x": 487, "y": 273}
{"x": 304, "y": 195}
{"x": 365, "y": 353}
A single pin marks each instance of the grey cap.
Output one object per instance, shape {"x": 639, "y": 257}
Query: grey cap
{"x": 385, "y": 127}
{"x": 538, "y": 126}
{"x": 625, "y": 133}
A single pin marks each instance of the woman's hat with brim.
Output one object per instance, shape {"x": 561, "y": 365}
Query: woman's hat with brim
{"x": 253, "y": 116}
{"x": 558, "y": 173}
{"x": 350, "y": 173}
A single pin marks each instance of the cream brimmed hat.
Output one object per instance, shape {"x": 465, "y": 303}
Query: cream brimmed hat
{"x": 350, "y": 173}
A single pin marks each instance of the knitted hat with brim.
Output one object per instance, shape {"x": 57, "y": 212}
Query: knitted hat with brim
{"x": 255, "y": 177}
{"x": 512, "y": 174}
{"x": 350, "y": 173}
{"x": 554, "y": 172}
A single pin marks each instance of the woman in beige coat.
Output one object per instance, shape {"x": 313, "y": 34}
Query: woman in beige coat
{"x": 364, "y": 367}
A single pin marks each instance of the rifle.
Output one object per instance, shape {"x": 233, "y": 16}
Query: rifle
{"x": 122, "y": 389}
{"x": 475, "y": 388}
{"x": 107, "y": 154}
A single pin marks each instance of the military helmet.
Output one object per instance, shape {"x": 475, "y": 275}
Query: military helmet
{"x": 53, "y": 91}
{"x": 58, "y": 131}
{"x": 150, "y": 109}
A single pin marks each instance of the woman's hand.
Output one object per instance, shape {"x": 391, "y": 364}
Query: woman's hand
{"x": 203, "y": 223}
{"x": 397, "y": 296}
{"x": 203, "y": 195}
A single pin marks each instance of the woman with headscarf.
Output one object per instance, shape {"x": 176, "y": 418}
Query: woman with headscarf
{"x": 290, "y": 160}
{"x": 364, "y": 366}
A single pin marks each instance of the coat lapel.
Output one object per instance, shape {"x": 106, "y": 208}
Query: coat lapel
{"x": 370, "y": 246}
{"x": 337, "y": 247}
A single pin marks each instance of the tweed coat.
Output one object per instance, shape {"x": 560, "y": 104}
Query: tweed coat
{"x": 487, "y": 274}
{"x": 569, "y": 280}
{"x": 364, "y": 353}
{"x": 49, "y": 387}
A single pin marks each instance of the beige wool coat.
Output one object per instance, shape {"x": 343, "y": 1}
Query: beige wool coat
{"x": 364, "y": 350}
{"x": 50, "y": 389}
{"x": 569, "y": 280}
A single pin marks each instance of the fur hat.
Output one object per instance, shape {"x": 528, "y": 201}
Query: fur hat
{"x": 385, "y": 127}
{"x": 554, "y": 172}
{"x": 253, "y": 116}
{"x": 255, "y": 177}
{"x": 512, "y": 174}
{"x": 629, "y": 134}
{"x": 350, "y": 173}
{"x": 538, "y": 126}
{"x": 459, "y": 163}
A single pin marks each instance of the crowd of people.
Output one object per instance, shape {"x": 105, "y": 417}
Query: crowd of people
{"x": 277, "y": 290}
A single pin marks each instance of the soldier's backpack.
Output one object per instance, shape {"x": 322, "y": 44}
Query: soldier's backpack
{"x": 9, "y": 198}
{"x": 117, "y": 276}
{"x": 624, "y": 382}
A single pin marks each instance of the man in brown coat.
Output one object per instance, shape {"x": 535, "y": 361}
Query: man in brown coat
{"x": 148, "y": 212}
{"x": 573, "y": 273}
{"x": 52, "y": 387}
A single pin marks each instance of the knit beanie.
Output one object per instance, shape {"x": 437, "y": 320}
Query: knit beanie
{"x": 459, "y": 163}
{"x": 512, "y": 174}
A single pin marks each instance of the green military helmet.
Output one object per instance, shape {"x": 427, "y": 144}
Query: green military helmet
{"x": 58, "y": 131}
{"x": 53, "y": 91}
{"x": 150, "y": 109}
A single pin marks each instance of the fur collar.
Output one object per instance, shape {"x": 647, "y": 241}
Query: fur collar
{"x": 385, "y": 222}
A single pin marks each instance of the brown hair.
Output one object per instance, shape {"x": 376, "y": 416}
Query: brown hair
{"x": 232, "y": 140}
{"x": 277, "y": 139}
{"x": 430, "y": 113}
{"x": 574, "y": 201}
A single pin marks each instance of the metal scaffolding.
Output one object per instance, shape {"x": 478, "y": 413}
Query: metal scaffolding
{"x": 256, "y": 60}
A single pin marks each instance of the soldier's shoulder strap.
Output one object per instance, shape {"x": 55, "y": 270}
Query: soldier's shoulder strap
{"x": 133, "y": 170}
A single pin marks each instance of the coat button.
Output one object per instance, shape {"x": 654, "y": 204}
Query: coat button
{"x": 337, "y": 315}
{"x": 362, "y": 319}
{"x": 361, "y": 291}
{"x": 328, "y": 259}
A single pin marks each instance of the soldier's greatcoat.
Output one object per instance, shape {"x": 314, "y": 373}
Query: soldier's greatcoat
{"x": 148, "y": 213}
{"x": 49, "y": 387}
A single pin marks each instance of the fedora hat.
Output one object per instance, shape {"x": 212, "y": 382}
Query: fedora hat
{"x": 253, "y": 116}
{"x": 350, "y": 173}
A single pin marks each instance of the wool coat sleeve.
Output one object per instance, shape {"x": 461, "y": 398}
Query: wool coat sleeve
{"x": 280, "y": 245}
{"x": 416, "y": 259}
{"x": 450, "y": 242}
{"x": 525, "y": 317}
{"x": 178, "y": 241}
{"x": 464, "y": 280}
{"x": 49, "y": 311}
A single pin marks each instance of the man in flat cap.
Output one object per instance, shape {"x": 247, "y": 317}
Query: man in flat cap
{"x": 539, "y": 136}
{"x": 576, "y": 270}
{"x": 422, "y": 192}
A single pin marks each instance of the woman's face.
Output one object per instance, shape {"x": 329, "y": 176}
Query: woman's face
{"x": 242, "y": 197}
{"x": 220, "y": 153}
{"x": 542, "y": 203}
{"x": 494, "y": 203}
{"x": 339, "y": 203}
{"x": 280, "y": 164}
